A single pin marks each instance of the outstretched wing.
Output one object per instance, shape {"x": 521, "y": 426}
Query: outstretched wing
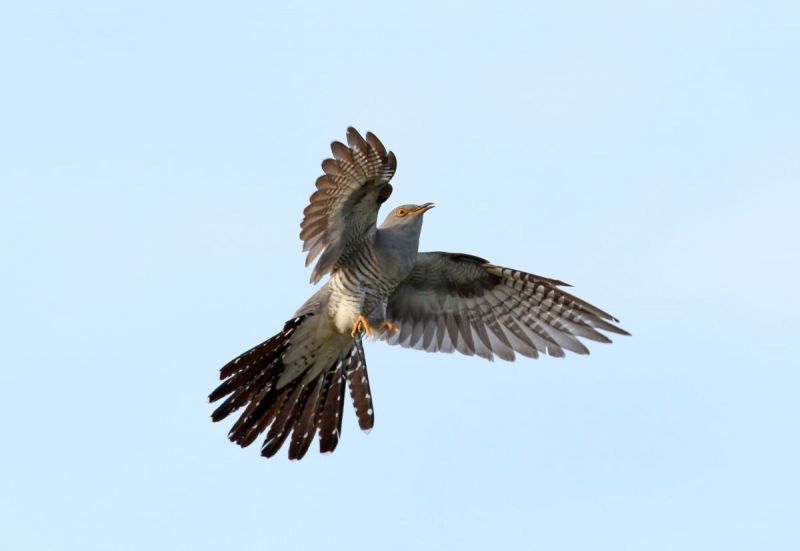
{"x": 462, "y": 302}
{"x": 348, "y": 196}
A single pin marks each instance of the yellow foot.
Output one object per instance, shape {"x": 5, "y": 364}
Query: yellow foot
{"x": 389, "y": 326}
{"x": 361, "y": 326}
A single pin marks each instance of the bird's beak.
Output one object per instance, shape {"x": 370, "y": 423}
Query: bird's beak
{"x": 422, "y": 209}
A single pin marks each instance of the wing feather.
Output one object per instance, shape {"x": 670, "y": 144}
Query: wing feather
{"x": 462, "y": 302}
{"x": 345, "y": 204}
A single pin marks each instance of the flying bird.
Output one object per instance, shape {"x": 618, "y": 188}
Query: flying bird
{"x": 292, "y": 386}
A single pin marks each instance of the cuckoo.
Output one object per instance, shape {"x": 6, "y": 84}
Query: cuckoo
{"x": 292, "y": 386}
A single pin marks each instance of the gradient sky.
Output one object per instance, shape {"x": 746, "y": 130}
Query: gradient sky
{"x": 154, "y": 163}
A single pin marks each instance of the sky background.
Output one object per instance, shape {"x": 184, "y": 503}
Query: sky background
{"x": 154, "y": 163}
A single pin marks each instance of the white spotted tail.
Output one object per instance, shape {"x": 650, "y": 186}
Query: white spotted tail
{"x": 288, "y": 392}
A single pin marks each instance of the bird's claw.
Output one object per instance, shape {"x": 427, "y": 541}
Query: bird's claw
{"x": 361, "y": 326}
{"x": 389, "y": 326}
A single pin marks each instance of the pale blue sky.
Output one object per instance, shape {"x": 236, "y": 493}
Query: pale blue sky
{"x": 154, "y": 163}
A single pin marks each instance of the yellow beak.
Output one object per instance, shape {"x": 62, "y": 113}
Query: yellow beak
{"x": 422, "y": 209}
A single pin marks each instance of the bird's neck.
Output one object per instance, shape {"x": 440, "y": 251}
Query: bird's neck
{"x": 397, "y": 249}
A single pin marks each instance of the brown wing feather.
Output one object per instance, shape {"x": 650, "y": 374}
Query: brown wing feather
{"x": 345, "y": 205}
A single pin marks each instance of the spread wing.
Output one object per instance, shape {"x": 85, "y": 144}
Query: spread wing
{"x": 348, "y": 196}
{"x": 464, "y": 303}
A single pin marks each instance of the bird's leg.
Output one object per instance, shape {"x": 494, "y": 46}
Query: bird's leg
{"x": 361, "y": 326}
{"x": 389, "y": 326}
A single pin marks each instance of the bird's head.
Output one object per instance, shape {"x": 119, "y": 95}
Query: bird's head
{"x": 406, "y": 215}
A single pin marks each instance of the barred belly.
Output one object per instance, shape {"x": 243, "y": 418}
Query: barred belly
{"x": 358, "y": 286}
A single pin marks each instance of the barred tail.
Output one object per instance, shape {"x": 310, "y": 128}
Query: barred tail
{"x": 300, "y": 408}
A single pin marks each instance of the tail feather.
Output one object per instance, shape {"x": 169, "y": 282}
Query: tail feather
{"x": 245, "y": 375}
{"x": 359, "y": 391}
{"x": 282, "y": 426}
{"x": 244, "y": 432}
{"x": 243, "y": 395}
{"x": 330, "y": 415}
{"x": 306, "y": 426}
{"x": 300, "y": 408}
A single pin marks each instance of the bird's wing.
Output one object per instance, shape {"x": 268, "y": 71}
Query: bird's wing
{"x": 462, "y": 302}
{"x": 348, "y": 196}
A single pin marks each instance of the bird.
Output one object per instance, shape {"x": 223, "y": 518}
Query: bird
{"x": 292, "y": 386}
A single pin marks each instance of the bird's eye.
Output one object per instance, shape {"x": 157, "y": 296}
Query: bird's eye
{"x": 401, "y": 212}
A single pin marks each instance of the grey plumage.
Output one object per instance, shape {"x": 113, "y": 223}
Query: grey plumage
{"x": 292, "y": 386}
{"x": 462, "y": 302}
